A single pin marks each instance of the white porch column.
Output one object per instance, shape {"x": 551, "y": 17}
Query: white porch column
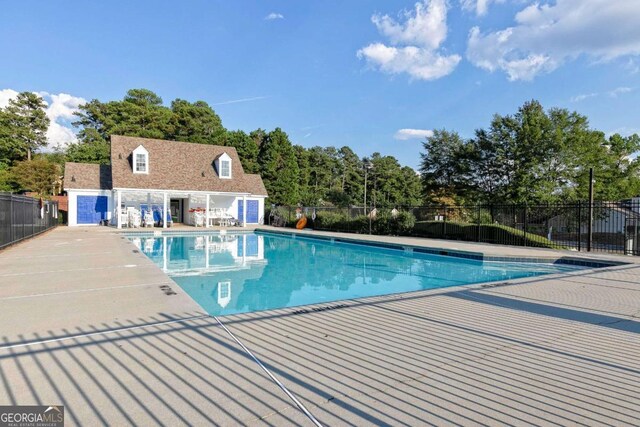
{"x": 206, "y": 216}
{"x": 244, "y": 211}
{"x": 149, "y": 210}
{"x": 164, "y": 210}
{"x": 118, "y": 203}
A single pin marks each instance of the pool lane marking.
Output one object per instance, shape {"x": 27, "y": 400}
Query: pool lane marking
{"x": 268, "y": 372}
{"x": 110, "y": 331}
{"x": 84, "y": 290}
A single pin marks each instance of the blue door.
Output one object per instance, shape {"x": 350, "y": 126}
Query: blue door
{"x": 252, "y": 211}
{"x": 91, "y": 209}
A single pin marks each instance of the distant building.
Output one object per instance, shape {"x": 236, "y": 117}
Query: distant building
{"x": 163, "y": 176}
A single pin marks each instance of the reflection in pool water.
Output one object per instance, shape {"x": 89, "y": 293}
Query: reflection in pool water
{"x": 246, "y": 272}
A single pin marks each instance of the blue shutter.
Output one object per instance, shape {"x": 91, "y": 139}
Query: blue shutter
{"x": 91, "y": 209}
{"x": 240, "y": 210}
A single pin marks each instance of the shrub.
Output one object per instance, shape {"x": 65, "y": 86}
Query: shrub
{"x": 489, "y": 233}
{"x": 329, "y": 220}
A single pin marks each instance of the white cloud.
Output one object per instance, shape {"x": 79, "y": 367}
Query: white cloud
{"x": 614, "y": 93}
{"x": 619, "y": 91}
{"x": 6, "y": 95}
{"x": 415, "y": 43}
{"x": 60, "y": 109}
{"x": 583, "y": 96}
{"x": 236, "y": 101}
{"x": 480, "y": 7}
{"x": 547, "y": 35}
{"x": 405, "y": 134}
{"x": 273, "y": 15}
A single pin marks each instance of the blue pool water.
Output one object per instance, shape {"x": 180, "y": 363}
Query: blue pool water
{"x": 246, "y": 272}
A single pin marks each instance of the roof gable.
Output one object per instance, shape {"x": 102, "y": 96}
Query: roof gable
{"x": 87, "y": 176}
{"x": 181, "y": 166}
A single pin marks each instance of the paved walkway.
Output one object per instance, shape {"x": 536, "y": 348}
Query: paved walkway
{"x": 86, "y": 323}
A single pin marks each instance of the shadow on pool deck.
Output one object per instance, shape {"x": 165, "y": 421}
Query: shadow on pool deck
{"x": 546, "y": 350}
{"x": 171, "y": 371}
{"x": 402, "y": 360}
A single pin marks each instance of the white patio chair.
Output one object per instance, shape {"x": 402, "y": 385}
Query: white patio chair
{"x": 198, "y": 219}
{"x": 124, "y": 218}
{"x": 134, "y": 217}
{"x": 135, "y": 220}
{"x": 214, "y": 215}
{"x": 148, "y": 219}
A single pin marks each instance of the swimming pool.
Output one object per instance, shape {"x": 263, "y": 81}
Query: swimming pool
{"x": 247, "y": 272}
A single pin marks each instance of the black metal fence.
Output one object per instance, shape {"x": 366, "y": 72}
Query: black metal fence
{"x": 22, "y": 217}
{"x": 612, "y": 227}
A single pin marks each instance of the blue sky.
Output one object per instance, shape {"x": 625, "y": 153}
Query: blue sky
{"x": 333, "y": 72}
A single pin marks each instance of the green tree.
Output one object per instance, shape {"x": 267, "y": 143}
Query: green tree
{"x": 444, "y": 165}
{"x": 23, "y": 127}
{"x": 306, "y": 195}
{"x": 38, "y": 175}
{"x": 323, "y": 166}
{"x": 141, "y": 113}
{"x": 247, "y": 149}
{"x": 7, "y": 180}
{"x": 195, "y": 122}
{"x": 92, "y": 149}
{"x": 352, "y": 175}
{"x": 391, "y": 185}
{"x": 279, "y": 168}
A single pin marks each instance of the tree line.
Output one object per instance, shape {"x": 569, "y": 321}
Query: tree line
{"x": 532, "y": 156}
{"x": 292, "y": 174}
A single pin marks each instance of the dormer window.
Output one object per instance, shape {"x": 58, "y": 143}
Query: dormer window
{"x": 140, "y": 160}
{"x": 223, "y": 166}
{"x": 225, "y": 169}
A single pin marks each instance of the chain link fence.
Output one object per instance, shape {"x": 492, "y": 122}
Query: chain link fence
{"x": 612, "y": 227}
{"x": 22, "y": 217}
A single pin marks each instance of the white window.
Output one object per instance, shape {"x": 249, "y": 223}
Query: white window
{"x": 225, "y": 168}
{"x": 225, "y": 289}
{"x": 140, "y": 160}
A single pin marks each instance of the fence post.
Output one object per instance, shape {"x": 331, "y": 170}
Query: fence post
{"x": 444, "y": 222}
{"x": 579, "y": 226}
{"x": 525, "y": 226}
{"x": 12, "y": 233}
{"x": 478, "y": 225}
{"x": 590, "y": 231}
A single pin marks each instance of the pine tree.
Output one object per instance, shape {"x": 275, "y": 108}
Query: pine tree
{"x": 24, "y": 126}
{"x": 279, "y": 168}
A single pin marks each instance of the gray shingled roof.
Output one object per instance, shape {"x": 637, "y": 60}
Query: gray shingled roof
{"x": 87, "y": 176}
{"x": 180, "y": 166}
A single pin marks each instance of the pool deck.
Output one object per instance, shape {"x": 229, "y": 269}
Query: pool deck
{"x": 91, "y": 323}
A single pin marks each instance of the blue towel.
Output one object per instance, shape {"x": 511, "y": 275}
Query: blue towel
{"x": 157, "y": 214}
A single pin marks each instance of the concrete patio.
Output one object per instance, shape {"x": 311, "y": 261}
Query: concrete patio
{"x": 91, "y": 323}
